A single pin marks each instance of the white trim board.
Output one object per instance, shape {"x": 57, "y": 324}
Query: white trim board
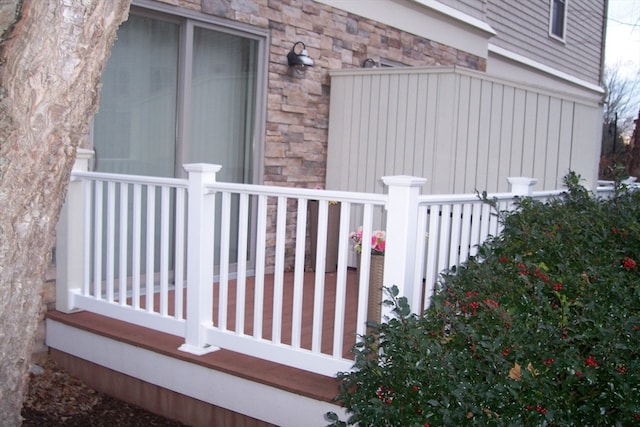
{"x": 425, "y": 18}
{"x": 499, "y": 51}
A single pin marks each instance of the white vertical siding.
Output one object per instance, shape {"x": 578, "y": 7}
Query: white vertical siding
{"x": 586, "y": 126}
{"x": 462, "y": 130}
{"x": 566, "y": 133}
{"x": 507, "y": 126}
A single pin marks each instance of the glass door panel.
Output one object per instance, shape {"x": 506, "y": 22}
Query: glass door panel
{"x": 223, "y": 102}
{"x": 135, "y": 127}
{"x": 222, "y": 111}
{"x": 178, "y": 91}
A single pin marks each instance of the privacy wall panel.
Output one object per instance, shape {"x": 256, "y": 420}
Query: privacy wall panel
{"x": 460, "y": 129}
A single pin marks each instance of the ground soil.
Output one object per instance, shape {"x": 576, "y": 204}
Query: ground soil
{"x": 56, "y": 398}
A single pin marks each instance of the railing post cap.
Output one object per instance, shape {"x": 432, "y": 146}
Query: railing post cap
{"x": 522, "y": 180}
{"x": 404, "y": 180}
{"x": 202, "y": 167}
{"x": 83, "y": 157}
{"x": 84, "y": 153}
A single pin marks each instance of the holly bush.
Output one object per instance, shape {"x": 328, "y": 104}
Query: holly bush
{"x": 541, "y": 328}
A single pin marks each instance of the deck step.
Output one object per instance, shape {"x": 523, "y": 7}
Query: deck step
{"x": 145, "y": 367}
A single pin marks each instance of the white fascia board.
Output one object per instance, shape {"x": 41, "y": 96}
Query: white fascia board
{"x": 456, "y": 14}
{"x": 425, "y": 18}
{"x": 496, "y": 50}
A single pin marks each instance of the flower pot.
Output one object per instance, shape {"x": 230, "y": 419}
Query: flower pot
{"x": 376, "y": 274}
{"x": 333, "y": 230}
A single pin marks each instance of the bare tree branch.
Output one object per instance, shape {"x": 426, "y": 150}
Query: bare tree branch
{"x": 621, "y": 98}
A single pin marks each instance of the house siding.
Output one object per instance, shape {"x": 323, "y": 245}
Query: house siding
{"x": 297, "y": 111}
{"x": 522, "y": 27}
{"x": 462, "y": 130}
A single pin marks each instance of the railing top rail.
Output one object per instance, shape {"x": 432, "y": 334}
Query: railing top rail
{"x": 549, "y": 193}
{"x": 606, "y": 188}
{"x": 300, "y": 193}
{"x": 473, "y": 197}
{"x": 304, "y": 193}
{"x": 457, "y": 198}
{"x": 269, "y": 190}
{"x": 130, "y": 179}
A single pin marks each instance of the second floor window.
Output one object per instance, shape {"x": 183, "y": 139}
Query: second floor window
{"x": 558, "y": 18}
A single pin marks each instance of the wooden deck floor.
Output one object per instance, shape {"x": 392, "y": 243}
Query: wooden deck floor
{"x": 308, "y": 294}
{"x": 293, "y": 380}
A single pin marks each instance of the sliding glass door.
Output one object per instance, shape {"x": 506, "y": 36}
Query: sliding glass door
{"x": 135, "y": 128}
{"x": 178, "y": 90}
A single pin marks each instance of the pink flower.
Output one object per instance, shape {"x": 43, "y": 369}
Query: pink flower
{"x": 356, "y": 238}
{"x": 378, "y": 241}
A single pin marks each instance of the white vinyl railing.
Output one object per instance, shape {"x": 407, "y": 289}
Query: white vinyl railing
{"x": 278, "y": 234}
{"x": 455, "y": 226}
{"x": 127, "y": 248}
{"x": 226, "y": 265}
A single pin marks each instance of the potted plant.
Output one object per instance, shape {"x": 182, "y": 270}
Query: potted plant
{"x": 376, "y": 269}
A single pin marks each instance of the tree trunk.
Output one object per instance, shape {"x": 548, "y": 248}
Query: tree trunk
{"x": 52, "y": 55}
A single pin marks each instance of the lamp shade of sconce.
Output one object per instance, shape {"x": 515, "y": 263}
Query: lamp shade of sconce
{"x": 369, "y": 63}
{"x": 299, "y": 60}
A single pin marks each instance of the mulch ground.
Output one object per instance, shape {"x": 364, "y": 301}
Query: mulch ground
{"x": 55, "y": 398}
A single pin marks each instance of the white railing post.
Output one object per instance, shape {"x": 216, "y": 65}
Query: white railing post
{"x": 70, "y": 239}
{"x": 401, "y": 237}
{"x": 200, "y": 235}
{"x": 521, "y": 186}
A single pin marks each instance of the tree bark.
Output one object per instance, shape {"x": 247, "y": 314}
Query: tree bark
{"x": 52, "y": 56}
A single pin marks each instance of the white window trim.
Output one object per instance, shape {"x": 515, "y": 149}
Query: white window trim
{"x": 565, "y": 22}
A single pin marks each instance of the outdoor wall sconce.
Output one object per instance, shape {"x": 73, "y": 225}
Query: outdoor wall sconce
{"x": 299, "y": 60}
{"x": 369, "y": 63}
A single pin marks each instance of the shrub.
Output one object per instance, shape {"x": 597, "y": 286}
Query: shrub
{"x": 542, "y": 328}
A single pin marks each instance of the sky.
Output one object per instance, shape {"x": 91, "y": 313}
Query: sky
{"x": 623, "y": 36}
{"x": 622, "y": 45}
